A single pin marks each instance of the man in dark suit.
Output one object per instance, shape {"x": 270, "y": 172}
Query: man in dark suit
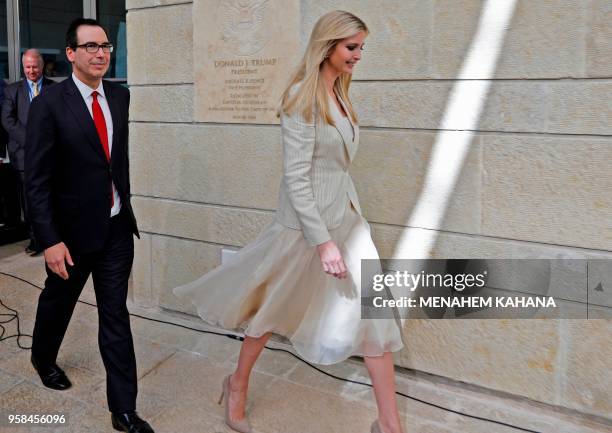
{"x": 3, "y": 137}
{"x": 78, "y": 190}
{"x": 15, "y": 109}
{"x": 6, "y": 180}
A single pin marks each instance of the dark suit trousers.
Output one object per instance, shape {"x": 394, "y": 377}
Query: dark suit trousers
{"x": 24, "y": 208}
{"x": 110, "y": 270}
{"x": 10, "y": 211}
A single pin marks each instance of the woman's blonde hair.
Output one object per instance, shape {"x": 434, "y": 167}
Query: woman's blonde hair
{"x": 330, "y": 29}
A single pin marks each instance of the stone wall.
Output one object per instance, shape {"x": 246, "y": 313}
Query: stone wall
{"x": 535, "y": 182}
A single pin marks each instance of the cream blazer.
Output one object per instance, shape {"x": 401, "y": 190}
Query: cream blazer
{"x": 316, "y": 187}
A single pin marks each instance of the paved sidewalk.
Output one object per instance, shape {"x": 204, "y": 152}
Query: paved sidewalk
{"x": 180, "y": 373}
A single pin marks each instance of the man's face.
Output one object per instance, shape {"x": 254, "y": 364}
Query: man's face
{"x": 89, "y": 67}
{"x": 32, "y": 67}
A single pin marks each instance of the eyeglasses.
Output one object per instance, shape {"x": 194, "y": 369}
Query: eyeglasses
{"x": 92, "y": 47}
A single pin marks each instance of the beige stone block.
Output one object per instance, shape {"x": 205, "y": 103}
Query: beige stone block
{"x": 390, "y": 171}
{"x": 600, "y": 282}
{"x": 137, "y": 44}
{"x": 198, "y": 163}
{"x": 210, "y": 223}
{"x": 155, "y": 56}
{"x": 273, "y": 363}
{"x": 355, "y": 370}
{"x": 176, "y": 262}
{"x": 514, "y": 106}
{"x": 171, "y": 103}
{"x": 7, "y": 380}
{"x": 190, "y": 378}
{"x": 492, "y": 406}
{"x": 506, "y": 106}
{"x": 461, "y": 246}
{"x": 398, "y": 46}
{"x": 548, "y": 190}
{"x": 230, "y": 165}
{"x": 90, "y": 419}
{"x": 543, "y": 39}
{"x": 565, "y": 279}
{"x": 324, "y": 411}
{"x": 599, "y": 39}
{"x": 149, "y": 403}
{"x": 189, "y": 417}
{"x": 140, "y": 280}
{"x": 403, "y": 104}
{"x": 139, "y": 4}
{"x": 83, "y": 352}
{"x": 26, "y": 397}
{"x": 587, "y": 382}
{"x": 484, "y": 352}
{"x": 580, "y": 107}
{"x": 217, "y": 348}
{"x": 597, "y": 312}
{"x": 562, "y": 275}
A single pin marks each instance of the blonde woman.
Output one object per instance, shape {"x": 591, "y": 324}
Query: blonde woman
{"x": 301, "y": 277}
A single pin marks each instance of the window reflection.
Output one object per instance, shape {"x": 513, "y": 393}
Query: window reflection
{"x": 4, "y": 68}
{"x": 111, "y": 15}
{"x": 42, "y": 25}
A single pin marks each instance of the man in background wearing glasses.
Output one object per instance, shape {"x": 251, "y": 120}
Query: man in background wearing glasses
{"x": 15, "y": 110}
{"x": 78, "y": 190}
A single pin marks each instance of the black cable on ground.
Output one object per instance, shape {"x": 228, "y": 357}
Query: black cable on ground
{"x": 15, "y": 316}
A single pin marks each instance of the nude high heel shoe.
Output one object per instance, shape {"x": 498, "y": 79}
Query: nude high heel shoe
{"x": 239, "y": 426}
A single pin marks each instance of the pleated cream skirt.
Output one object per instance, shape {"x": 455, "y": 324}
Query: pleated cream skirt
{"x": 277, "y": 284}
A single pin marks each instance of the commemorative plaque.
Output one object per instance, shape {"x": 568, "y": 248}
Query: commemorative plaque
{"x": 244, "y": 53}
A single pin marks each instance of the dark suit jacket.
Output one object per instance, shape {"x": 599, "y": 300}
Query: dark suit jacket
{"x": 15, "y": 109}
{"x": 67, "y": 175}
{"x": 3, "y": 135}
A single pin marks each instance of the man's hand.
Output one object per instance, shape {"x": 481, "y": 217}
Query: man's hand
{"x": 56, "y": 257}
{"x": 331, "y": 259}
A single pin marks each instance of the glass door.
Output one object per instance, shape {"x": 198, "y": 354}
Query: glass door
{"x": 42, "y": 25}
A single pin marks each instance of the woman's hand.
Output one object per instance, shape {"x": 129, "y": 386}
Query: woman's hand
{"x": 331, "y": 259}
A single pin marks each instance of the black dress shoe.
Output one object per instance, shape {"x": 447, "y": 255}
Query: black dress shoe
{"x": 36, "y": 253}
{"x": 52, "y": 377}
{"x": 130, "y": 423}
{"x": 29, "y": 249}
{"x": 33, "y": 249}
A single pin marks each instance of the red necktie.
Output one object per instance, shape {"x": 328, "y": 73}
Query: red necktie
{"x": 98, "y": 118}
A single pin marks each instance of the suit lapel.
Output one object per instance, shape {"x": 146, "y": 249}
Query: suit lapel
{"x": 350, "y": 142}
{"x": 24, "y": 95}
{"x": 355, "y": 142}
{"x": 45, "y": 83}
{"x": 76, "y": 104}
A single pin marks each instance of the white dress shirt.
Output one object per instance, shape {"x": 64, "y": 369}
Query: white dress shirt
{"x": 86, "y": 92}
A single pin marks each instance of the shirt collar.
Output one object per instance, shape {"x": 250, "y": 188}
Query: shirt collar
{"x": 31, "y": 83}
{"x": 85, "y": 90}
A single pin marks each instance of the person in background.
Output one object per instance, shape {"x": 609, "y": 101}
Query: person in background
{"x": 3, "y": 161}
{"x": 15, "y": 108}
{"x": 11, "y": 227}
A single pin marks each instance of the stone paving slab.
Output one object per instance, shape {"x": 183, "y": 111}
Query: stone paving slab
{"x": 180, "y": 372}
